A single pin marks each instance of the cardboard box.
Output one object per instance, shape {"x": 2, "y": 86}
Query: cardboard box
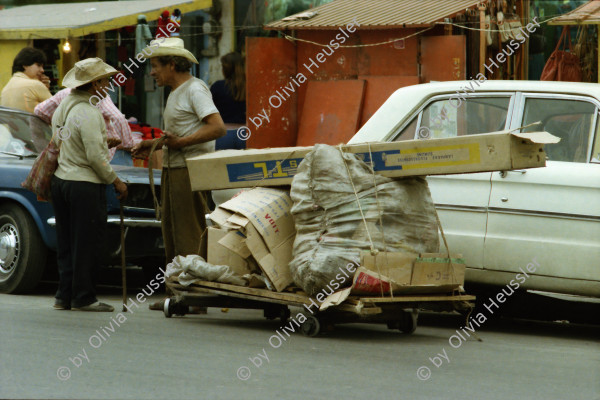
{"x": 219, "y": 254}
{"x": 398, "y": 267}
{"x": 404, "y": 273}
{"x": 499, "y": 151}
{"x": 438, "y": 270}
{"x": 263, "y": 218}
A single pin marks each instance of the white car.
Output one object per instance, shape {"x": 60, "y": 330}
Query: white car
{"x": 503, "y": 221}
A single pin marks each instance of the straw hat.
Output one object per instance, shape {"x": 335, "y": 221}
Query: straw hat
{"x": 172, "y": 46}
{"x": 86, "y": 71}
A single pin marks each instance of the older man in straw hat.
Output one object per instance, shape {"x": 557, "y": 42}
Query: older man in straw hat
{"x": 192, "y": 123}
{"x": 79, "y": 186}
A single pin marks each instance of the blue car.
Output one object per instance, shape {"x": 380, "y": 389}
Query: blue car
{"x": 27, "y": 232}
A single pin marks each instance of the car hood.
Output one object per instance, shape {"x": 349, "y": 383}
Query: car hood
{"x": 136, "y": 174}
{"x": 125, "y": 173}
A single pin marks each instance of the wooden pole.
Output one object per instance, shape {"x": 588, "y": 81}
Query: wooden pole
{"x": 482, "y": 41}
{"x": 123, "y": 262}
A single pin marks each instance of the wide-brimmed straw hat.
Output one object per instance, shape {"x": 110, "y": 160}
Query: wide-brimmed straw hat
{"x": 172, "y": 46}
{"x": 86, "y": 71}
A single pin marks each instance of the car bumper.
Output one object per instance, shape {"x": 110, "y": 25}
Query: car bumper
{"x": 128, "y": 221}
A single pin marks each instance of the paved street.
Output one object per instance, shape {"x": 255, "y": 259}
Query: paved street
{"x": 151, "y": 357}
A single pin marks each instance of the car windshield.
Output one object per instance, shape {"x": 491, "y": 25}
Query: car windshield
{"x": 23, "y": 134}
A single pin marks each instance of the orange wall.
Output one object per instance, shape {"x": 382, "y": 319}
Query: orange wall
{"x": 273, "y": 63}
{"x": 349, "y": 63}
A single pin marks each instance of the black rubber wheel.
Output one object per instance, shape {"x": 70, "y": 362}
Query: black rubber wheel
{"x": 408, "y": 323}
{"x": 22, "y": 250}
{"x": 311, "y": 327}
{"x": 393, "y": 324}
{"x": 284, "y": 315}
{"x": 281, "y": 312}
{"x": 167, "y": 309}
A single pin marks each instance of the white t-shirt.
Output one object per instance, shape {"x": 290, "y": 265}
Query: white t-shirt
{"x": 186, "y": 107}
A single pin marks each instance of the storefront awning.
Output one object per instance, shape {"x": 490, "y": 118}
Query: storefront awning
{"x": 587, "y": 14}
{"x": 62, "y": 21}
{"x": 375, "y": 14}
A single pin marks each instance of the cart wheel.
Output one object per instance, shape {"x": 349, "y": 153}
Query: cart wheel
{"x": 284, "y": 315}
{"x": 166, "y": 308}
{"x": 311, "y": 327}
{"x": 172, "y": 308}
{"x": 408, "y": 323}
{"x": 393, "y": 325}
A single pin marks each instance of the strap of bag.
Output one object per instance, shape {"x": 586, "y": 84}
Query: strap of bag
{"x": 56, "y": 142}
{"x": 569, "y": 38}
{"x": 565, "y": 35}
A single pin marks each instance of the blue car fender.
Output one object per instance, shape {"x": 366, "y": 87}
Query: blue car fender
{"x": 39, "y": 211}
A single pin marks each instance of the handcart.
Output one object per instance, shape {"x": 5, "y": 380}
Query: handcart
{"x": 397, "y": 311}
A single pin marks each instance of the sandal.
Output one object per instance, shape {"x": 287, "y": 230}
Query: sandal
{"x": 97, "y": 306}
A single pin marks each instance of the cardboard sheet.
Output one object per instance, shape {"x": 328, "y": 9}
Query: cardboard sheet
{"x": 220, "y": 255}
{"x": 261, "y": 229}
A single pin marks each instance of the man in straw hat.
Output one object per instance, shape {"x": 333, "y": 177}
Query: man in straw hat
{"x": 79, "y": 186}
{"x": 192, "y": 123}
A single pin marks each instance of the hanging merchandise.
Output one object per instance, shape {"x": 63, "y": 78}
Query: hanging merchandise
{"x": 142, "y": 34}
{"x": 509, "y": 24}
{"x": 130, "y": 87}
{"x": 510, "y": 29}
{"x": 563, "y": 65}
{"x": 488, "y": 26}
{"x": 176, "y": 20}
{"x": 587, "y": 52}
{"x": 491, "y": 20}
{"x": 163, "y": 20}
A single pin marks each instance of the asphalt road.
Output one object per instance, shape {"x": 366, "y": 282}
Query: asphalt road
{"x": 200, "y": 356}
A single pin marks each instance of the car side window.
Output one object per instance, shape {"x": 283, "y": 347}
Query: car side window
{"x": 408, "y": 133}
{"x": 596, "y": 148}
{"x": 23, "y": 134}
{"x": 570, "y": 120}
{"x": 454, "y": 117}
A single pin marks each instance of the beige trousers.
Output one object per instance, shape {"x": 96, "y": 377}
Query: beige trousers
{"x": 183, "y": 215}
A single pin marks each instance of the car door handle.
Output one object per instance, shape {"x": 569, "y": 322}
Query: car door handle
{"x": 504, "y": 199}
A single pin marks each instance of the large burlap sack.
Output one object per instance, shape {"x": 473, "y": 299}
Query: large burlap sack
{"x": 330, "y": 228}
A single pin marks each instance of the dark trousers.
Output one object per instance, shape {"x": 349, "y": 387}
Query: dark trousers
{"x": 80, "y": 211}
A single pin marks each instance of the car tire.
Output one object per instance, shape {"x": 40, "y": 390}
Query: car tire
{"x": 22, "y": 250}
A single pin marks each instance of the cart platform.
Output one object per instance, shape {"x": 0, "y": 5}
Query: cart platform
{"x": 398, "y": 312}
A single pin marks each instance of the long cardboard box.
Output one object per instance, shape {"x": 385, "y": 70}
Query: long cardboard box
{"x": 498, "y": 151}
